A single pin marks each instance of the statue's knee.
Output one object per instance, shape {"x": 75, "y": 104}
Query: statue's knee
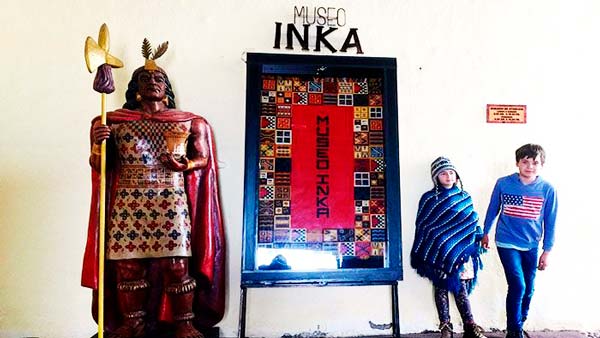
{"x": 177, "y": 268}
{"x": 130, "y": 269}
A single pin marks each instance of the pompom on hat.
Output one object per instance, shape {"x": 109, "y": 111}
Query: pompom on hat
{"x": 438, "y": 165}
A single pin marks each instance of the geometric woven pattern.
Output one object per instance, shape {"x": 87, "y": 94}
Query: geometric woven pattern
{"x": 152, "y": 218}
{"x": 368, "y": 235}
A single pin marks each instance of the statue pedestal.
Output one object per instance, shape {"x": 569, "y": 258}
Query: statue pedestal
{"x": 212, "y": 332}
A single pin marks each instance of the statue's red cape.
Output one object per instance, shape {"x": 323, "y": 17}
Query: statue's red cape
{"x": 207, "y": 265}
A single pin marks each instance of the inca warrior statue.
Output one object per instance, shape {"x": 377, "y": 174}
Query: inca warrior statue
{"x": 165, "y": 246}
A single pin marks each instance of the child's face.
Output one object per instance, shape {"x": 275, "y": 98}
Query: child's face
{"x": 529, "y": 167}
{"x": 447, "y": 178}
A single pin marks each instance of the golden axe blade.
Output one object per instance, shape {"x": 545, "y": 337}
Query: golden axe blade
{"x": 96, "y": 54}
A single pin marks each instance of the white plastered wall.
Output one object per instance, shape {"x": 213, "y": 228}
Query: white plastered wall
{"x": 454, "y": 57}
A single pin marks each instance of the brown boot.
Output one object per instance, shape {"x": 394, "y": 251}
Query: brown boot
{"x": 514, "y": 334}
{"x": 473, "y": 330}
{"x": 131, "y": 296}
{"x": 446, "y": 330}
{"x": 182, "y": 298}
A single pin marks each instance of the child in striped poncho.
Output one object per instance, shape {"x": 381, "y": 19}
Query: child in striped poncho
{"x": 446, "y": 246}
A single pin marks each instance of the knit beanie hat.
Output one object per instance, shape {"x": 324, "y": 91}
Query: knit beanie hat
{"x": 441, "y": 163}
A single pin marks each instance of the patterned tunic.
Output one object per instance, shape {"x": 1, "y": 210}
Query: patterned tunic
{"x": 150, "y": 215}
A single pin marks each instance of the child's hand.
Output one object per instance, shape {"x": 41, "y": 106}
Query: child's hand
{"x": 543, "y": 261}
{"x": 485, "y": 242}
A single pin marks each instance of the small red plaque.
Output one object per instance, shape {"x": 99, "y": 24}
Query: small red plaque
{"x": 506, "y": 113}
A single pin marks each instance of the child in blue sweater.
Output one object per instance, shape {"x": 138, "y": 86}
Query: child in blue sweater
{"x": 527, "y": 207}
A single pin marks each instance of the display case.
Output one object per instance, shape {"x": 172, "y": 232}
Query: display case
{"x": 321, "y": 188}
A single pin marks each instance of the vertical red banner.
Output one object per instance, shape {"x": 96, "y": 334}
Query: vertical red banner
{"x": 322, "y": 178}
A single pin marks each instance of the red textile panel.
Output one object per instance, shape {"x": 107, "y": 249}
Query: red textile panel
{"x": 322, "y": 187}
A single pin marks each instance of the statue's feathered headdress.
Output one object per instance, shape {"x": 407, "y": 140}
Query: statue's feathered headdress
{"x": 151, "y": 56}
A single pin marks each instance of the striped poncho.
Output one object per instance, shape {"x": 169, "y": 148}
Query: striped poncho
{"x": 446, "y": 236}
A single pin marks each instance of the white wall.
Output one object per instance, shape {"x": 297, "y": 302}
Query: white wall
{"x": 454, "y": 57}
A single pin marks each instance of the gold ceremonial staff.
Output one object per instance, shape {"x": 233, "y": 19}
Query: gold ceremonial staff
{"x": 97, "y": 57}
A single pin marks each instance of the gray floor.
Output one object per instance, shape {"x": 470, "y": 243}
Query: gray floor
{"x": 500, "y": 334}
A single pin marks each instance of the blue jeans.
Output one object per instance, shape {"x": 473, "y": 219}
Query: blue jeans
{"x": 519, "y": 269}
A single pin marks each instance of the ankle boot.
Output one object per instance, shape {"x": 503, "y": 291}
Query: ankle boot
{"x": 514, "y": 334}
{"x": 473, "y": 330}
{"x": 446, "y": 330}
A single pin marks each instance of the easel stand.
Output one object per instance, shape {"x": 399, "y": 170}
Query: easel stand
{"x": 244, "y": 290}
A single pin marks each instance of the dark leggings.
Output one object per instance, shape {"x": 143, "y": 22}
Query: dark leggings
{"x": 462, "y": 303}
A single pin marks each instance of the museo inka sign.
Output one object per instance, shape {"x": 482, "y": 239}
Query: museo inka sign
{"x": 318, "y": 25}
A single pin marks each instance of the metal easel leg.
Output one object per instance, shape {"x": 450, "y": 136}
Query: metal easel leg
{"x": 242, "y": 322}
{"x": 395, "y": 311}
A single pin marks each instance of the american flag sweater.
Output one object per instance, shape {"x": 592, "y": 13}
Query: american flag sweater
{"x": 526, "y": 213}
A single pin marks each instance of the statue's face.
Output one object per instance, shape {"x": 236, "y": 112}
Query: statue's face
{"x": 152, "y": 85}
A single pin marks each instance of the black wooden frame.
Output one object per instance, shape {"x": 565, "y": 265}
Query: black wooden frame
{"x": 259, "y": 64}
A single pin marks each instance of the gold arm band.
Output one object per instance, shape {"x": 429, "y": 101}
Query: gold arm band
{"x": 96, "y": 149}
{"x": 190, "y": 165}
